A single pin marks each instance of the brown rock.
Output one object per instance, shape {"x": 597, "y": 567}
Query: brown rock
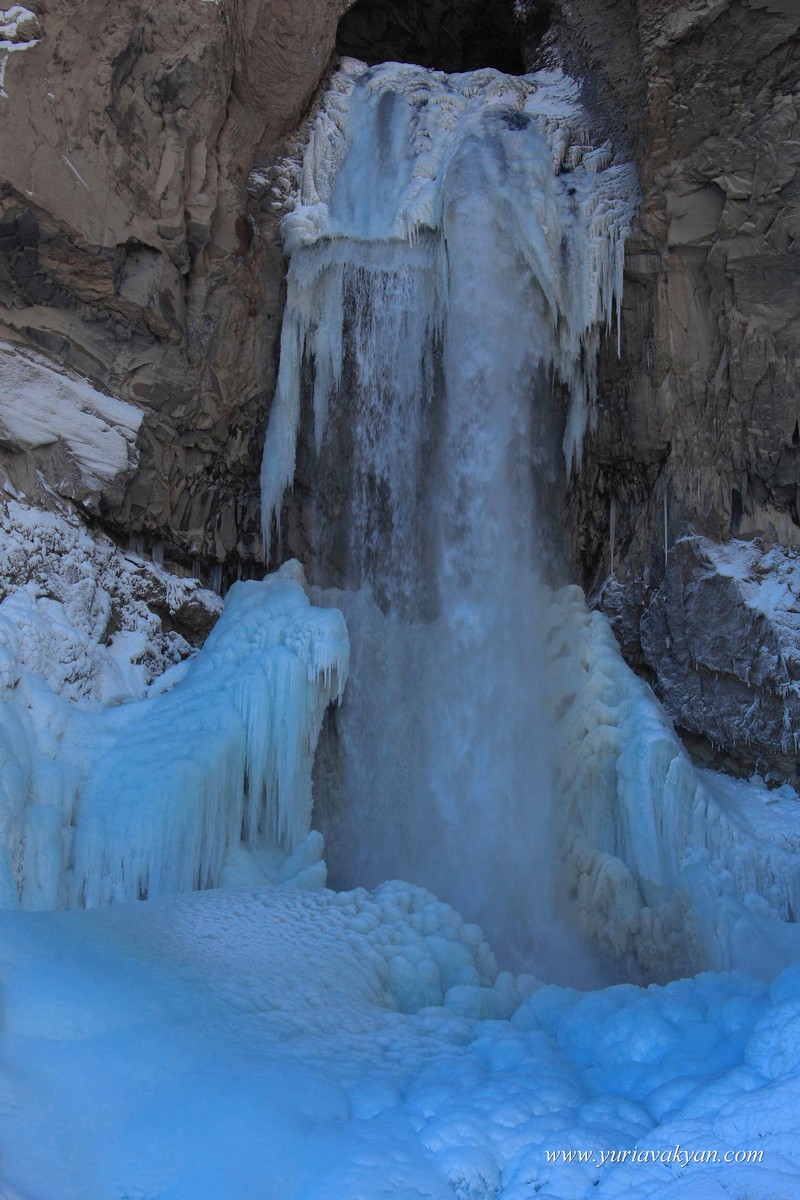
{"x": 129, "y": 250}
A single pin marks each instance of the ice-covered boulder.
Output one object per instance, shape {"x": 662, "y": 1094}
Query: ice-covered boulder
{"x": 722, "y": 636}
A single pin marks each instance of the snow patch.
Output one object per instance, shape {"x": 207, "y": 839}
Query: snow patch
{"x": 40, "y": 406}
{"x": 19, "y": 30}
{"x": 85, "y": 617}
{"x": 768, "y": 578}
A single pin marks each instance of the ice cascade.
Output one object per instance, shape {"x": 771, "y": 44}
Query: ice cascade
{"x": 209, "y": 776}
{"x": 401, "y": 168}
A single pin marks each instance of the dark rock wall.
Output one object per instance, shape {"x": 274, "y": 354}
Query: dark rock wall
{"x": 697, "y": 425}
{"x": 449, "y": 35}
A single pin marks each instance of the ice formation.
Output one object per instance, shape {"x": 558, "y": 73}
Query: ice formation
{"x": 682, "y": 869}
{"x": 434, "y": 306}
{"x": 119, "y": 781}
{"x": 229, "y": 1044}
{"x": 432, "y": 303}
{"x": 511, "y": 145}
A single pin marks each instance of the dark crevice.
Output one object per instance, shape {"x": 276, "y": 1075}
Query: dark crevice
{"x": 448, "y": 35}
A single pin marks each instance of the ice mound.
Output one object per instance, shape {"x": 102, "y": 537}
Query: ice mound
{"x": 236, "y": 1043}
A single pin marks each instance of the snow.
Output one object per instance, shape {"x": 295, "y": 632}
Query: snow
{"x": 284, "y": 1043}
{"x": 40, "y": 406}
{"x": 19, "y": 28}
{"x": 85, "y": 617}
{"x": 768, "y": 578}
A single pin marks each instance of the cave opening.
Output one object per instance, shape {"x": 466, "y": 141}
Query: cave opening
{"x": 447, "y": 35}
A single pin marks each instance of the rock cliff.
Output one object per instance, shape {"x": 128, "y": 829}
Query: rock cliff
{"x": 697, "y": 426}
{"x": 127, "y": 247}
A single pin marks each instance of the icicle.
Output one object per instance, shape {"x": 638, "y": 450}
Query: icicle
{"x": 612, "y": 522}
{"x": 666, "y": 529}
{"x": 569, "y": 230}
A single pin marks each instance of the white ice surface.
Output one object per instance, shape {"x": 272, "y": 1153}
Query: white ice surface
{"x": 40, "y": 406}
{"x": 235, "y": 1045}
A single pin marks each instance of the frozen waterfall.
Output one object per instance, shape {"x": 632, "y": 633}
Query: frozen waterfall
{"x": 205, "y": 780}
{"x": 456, "y": 249}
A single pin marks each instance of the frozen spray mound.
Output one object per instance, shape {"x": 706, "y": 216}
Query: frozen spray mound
{"x": 161, "y": 794}
{"x": 227, "y": 1044}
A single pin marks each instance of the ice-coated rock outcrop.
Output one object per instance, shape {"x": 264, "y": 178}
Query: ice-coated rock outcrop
{"x": 130, "y": 768}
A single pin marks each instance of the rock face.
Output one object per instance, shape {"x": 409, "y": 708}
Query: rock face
{"x": 697, "y": 427}
{"x": 450, "y": 35}
{"x": 722, "y": 638}
{"x": 129, "y": 251}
